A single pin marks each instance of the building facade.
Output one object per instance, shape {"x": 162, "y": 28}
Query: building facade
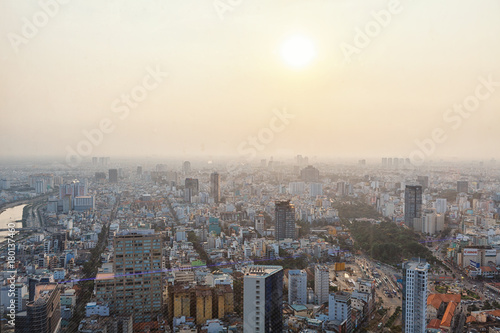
{"x": 263, "y": 299}
{"x": 284, "y": 220}
{"x": 415, "y": 275}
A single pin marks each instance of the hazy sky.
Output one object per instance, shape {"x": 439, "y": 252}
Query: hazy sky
{"x": 226, "y": 75}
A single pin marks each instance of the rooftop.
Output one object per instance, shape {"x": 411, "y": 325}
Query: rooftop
{"x": 262, "y": 270}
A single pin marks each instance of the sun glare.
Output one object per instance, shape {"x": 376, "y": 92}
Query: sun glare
{"x": 298, "y": 51}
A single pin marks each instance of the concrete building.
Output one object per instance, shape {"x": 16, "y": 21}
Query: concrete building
{"x": 140, "y": 295}
{"x": 413, "y": 204}
{"x": 42, "y": 315}
{"x": 339, "y": 309}
{"x": 263, "y": 299}
{"x": 321, "y": 284}
{"x": 415, "y": 275}
{"x": 297, "y": 286}
{"x": 309, "y": 174}
{"x": 215, "y": 186}
{"x": 284, "y": 220}
{"x": 462, "y": 186}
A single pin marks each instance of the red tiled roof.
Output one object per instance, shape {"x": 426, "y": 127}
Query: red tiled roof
{"x": 434, "y": 323}
{"x": 448, "y": 314}
{"x": 436, "y": 299}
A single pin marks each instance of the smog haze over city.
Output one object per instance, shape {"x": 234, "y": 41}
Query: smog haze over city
{"x": 361, "y": 79}
{"x": 249, "y": 166}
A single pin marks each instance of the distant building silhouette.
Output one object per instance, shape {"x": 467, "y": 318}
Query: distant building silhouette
{"x": 309, "y": 174}
{"x": 215, "y": 186}
{"x": 413, "y": 204}
{"x": 284, "y": 220}
{"x": 113, "y": 175}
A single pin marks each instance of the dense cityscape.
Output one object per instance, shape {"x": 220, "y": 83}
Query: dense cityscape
{"x": 249, "y": 166}
{"x": 293, "y": 245}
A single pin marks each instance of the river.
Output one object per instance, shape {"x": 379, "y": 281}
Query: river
{"x": 8, "y": 216}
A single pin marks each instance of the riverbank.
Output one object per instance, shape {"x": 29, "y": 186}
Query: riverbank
{"x": 5, "y": 206}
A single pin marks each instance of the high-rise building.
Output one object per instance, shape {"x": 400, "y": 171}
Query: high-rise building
{"x": 414, "y": 296}
{"x": 186, "y": 167}
{"x": 339, "y": 309}
{"x": 297, "y": 286}
{"x": 113, "y": 175}
{"x": 462, "y": 186}
{"x": 315, "y": 189}
{"x": 341, "y": 188}
{"x": 296, "y": 188}
{"x": 413, "y": 204}
{"x": 191, "y": 188}
{"x": 441, "y": 206}
{"x": 321, "y": 284}
{"x": 73, "y": 189}
{"x": 259, "y": 224}
{"x": 263, "y": 299}
{"x": 215, "y": 186}
{"x": 309, "y": 174}
{"x": 428, "y": 222}
{"x": 384, "y": 161}
{"x": 284, "y": 220}
{"x": 43, "y": 314}
{"x": 139, "y": 171}
{"x": 126, "y": 290}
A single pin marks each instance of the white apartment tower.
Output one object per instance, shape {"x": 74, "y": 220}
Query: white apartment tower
{"x": 415, "y": 296}
{"x": 321, "y": 283}
{"x": 297, "y": 286}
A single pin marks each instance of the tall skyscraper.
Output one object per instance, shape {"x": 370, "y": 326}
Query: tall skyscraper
{"x": 186, "y": 167}
{"x": 126, "y": 290}
{"x": 113, "y": 175}
{"x": 215, "y": 186}
{"x": 139, "y": 171}
{"x": 263, "y": 299}
{"x": 414, "y": 296}
{"x": 321, "y": 284}
{"x": 463, "y": 186}
{"x": 191, "y": 188}
{"x": 339, "y": 308}
{"x": 297, "y": 286}
{"x": 413, "y": 204}
{"x": 309, "y": 174}
{"x": 284, "y": 220}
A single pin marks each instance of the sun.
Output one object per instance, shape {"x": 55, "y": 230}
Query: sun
{"x": 298, "y": 51}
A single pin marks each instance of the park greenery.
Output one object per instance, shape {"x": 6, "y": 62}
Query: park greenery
{"x": 388, "y": 242}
